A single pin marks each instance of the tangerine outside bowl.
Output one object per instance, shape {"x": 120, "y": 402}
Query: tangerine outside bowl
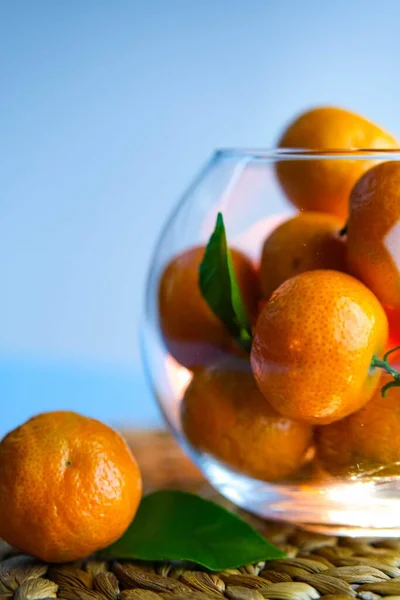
{"x": 243, "y": 186}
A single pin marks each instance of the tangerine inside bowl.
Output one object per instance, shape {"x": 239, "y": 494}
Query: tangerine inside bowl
{"x": 244, "y": 185}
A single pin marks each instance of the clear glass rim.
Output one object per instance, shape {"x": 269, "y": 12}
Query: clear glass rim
{"x": 309, "y": 153}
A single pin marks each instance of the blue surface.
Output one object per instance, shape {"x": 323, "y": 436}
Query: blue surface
{"x": 107, "y": 110}
{"x": 116, "y": 395}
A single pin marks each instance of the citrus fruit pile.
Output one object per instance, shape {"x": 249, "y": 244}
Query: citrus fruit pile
{"x": 290, "y": 357}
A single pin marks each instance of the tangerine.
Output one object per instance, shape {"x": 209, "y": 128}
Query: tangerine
{"x": 364, "y": 441}
{"x": 69, "y": 486}
{"x": 306, "y": 242}
{"x": 314, "y": 344}
{"x": 373, "y": 232}
{"x": 225, "y": 414}
{"x": 325, "y": 185}
{"x": 193, "y": 335}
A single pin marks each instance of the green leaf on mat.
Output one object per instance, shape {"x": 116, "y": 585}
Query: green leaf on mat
{"x": 178, "y": 526}
{"x": 219, "y": 286}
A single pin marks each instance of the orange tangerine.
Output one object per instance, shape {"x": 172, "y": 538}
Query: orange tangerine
{"x": 314, "y": 343}
{"x": 225, "y": 414}
{"x": 373, "y": 232}
{"x": 325, "y": 185}
{"x": 69, "y": 486}
{"x": 193, "y": 334}
{"x": 364, "y": 441}
{"x": 306, "y": 242}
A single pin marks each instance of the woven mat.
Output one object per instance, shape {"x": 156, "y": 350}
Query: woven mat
{"x": 315, "y": 566}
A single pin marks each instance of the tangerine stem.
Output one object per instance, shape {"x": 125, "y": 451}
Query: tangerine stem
{"x": 382, "y": 363}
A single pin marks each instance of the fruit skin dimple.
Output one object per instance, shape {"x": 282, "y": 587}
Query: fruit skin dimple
{"x": 194, "y": 336}
{"x": 373, "y": 232}
{"x": 305, "y": 242}
{"x": 364, "y": 441}
{"x": 313, "y": 345}
{"x": 224, "y": 413}
{"x": 69, "y": 486}
{"x": 325, "y": 185}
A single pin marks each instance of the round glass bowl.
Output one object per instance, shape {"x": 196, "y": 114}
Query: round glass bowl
{"x": 242, "y": 185}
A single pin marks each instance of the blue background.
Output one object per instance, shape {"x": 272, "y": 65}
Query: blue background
{"x": 107, "y": 110}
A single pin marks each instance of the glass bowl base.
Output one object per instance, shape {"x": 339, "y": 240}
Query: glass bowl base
{"x": 345, "y": 508}
{"x": 352, "y": 532}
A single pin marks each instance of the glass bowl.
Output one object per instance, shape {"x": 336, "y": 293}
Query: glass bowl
{"x": 242, "y": 185}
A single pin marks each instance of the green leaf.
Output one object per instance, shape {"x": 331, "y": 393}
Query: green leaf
{"x": 219, "y": 286}
{"x": 178, "y": 526}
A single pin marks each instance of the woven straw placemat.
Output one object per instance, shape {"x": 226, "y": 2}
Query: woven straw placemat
{"x": 316, "y": 565}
